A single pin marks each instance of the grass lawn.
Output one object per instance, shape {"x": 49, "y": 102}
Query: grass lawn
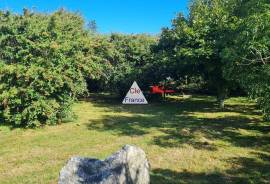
{"x": 187, "y": 140}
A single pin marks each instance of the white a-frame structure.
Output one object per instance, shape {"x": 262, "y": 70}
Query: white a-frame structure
{"x": 135, "y": 95}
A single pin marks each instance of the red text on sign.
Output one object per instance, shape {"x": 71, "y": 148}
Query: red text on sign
{"x": 135, "y": 91}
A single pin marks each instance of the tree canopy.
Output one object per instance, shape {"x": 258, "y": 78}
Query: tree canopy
{"x": 47, "y": 61}
{"x": 43, "y": 61}
{"x": 225, "y": 42}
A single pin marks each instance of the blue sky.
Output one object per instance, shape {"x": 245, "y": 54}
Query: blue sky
{"x": 125, "y": 16}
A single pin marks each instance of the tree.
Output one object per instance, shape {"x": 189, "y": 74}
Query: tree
{"x": 194, "y": 44}
{"x": 248, "y": 57}
{"x": 43, "y": 61}
{"x": 226, "y": 42}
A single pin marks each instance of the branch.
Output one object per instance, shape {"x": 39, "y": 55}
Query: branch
{"x": 259, "y": 58}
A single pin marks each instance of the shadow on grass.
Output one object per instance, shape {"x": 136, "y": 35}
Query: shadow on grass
{"x": 247, "y": 171}
{"x": 10, "y": 126}
{"x": 253, "y": 170}
{"x": 161, "y": 176}
{"x": 226, "y": 129}
{"x": 177, "y": 125}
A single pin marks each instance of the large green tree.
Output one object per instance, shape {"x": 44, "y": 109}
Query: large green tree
{"x": 226, "y": 42}
{"x": 248, "y": 57}
{"x": 43, "y": 63}
{"x": 194, "y": 44}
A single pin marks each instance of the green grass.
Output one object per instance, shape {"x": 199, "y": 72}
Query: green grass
{"x": 187, "y": 140}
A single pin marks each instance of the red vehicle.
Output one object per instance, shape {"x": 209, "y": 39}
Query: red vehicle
{"x": 160, "y": 90}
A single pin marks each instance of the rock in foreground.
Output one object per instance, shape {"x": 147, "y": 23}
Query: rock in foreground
{"x": 127, "y": 166}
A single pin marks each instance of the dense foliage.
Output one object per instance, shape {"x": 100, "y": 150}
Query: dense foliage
{"x": 43, "y": 61}
{"x": 194, "y": 44}
{"x": 248, "y": 55}
{"x": 226, "y": 43}
{"x": 132, "y": 57}
{"x": 48, "y": 60}
{"x": 126, "y": 59}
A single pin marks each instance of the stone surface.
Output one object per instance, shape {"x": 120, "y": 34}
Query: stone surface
{"x": 127, "y": 166}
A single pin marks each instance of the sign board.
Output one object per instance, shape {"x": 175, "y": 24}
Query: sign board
{"x": 134, "y": 95}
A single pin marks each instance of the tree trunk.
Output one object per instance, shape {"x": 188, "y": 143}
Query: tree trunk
{"x": 221, "y": 96}
{"x": 221, "y": 103}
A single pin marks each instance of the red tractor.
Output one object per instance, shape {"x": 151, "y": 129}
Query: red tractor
{"x": 160, "y": 90}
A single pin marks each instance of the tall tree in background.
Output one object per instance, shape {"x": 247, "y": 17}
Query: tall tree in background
{"x": 194, "y": 44}
{"x": 133, "y": 55}
{"x": 248, "y": 57}
{"x": 226, "y": 42}
{"x": 125, "y": 58}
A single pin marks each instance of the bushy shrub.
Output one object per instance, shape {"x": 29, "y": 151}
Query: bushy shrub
{"x": 43, "y": 60}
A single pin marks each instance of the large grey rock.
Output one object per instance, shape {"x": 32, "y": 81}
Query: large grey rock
{"x": 127, "y": 166}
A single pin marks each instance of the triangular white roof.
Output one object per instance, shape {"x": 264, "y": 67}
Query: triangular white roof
{"x": 135, "y": 95}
